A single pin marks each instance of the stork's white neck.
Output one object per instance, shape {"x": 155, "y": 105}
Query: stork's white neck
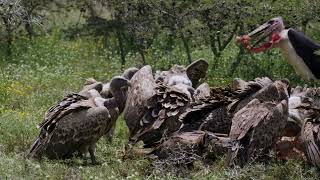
{"x": 292, "y": 57}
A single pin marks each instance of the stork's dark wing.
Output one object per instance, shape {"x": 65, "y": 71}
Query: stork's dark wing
{"x": 197, "y": 70}
{"x": 306, "y": 49}
{"x": 142, "y": 88}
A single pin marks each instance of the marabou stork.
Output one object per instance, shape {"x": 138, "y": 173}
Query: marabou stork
{"x": 299, "y": 50}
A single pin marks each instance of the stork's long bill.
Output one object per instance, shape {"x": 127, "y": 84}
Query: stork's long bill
{"x": 298, "y": 49}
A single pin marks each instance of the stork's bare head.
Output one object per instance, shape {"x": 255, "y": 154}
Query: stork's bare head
{"x": 274, "y": 25}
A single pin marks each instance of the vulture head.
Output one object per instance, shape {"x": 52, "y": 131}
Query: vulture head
{"x": 118, "y": 88}
{"x": 197, "y": 70}
{"x": 128, "y": 73}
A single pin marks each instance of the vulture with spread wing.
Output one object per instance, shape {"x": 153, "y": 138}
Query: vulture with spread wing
{"x": 259, "y": 124}
{"x": 214, "y": 108}
{"x": 76, "y": 123}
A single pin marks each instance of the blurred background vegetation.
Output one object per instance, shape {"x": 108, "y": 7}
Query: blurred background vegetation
{"x": 49, "y": 47}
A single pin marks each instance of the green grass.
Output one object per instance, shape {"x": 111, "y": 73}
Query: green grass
{"x": 41, "y": 72}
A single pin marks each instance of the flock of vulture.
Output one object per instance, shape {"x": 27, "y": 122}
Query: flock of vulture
{"x": 171, "y": 111}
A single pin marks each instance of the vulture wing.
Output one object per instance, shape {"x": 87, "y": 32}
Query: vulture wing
{"x": 247, "y": 118}
{"x": 209, "y": 113}
{"x": 71, "y": 104}
{"x": 256, "y": 128}
{"x": 162, "y": 117}
{"x": 305, "y": 110}
{"x": 197, "y": 70}
{"x": 202, "y": 92}
{"x": 311, "y": 139}
{"x": 76, "y": 131}
{"x": 262, "y": 89}
{"x": 142, "y": 88}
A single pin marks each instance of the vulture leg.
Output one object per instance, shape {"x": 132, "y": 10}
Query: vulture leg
{"x": 109, "y": 134}
{"x": 127, "y": 150}
{"x": 83, "y": 153}
{"x": 92, "y": 149}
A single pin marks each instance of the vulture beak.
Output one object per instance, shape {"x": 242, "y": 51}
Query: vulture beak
{"x": 128, "y": 84}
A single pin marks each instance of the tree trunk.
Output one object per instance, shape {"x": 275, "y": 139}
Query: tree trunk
{"x": 9, "y": 37}
{"x": 239, "y": 57}
{"x": 186, "y": 46}
{"x": 121, "y": 49}
{"x": 236, "y": 63}
{"x": 142, "y": 57}
{"x": 28, "y": 26}
{"x": 215, "y": 51}
{"x": 304, "y": 26}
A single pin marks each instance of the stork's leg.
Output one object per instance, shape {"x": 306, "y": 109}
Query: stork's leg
{"x": 92, "y": 156}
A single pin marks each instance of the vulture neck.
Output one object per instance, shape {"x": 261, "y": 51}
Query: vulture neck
{"x": 120, "y": 98}
{"x": 110, "y": 103}
{"x": 297, "y": 53}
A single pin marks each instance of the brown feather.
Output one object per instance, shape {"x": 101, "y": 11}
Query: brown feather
{"x": 142, "y": 88}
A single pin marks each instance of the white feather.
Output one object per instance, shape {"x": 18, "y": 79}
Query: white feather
{"x": 292, "y": 57}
